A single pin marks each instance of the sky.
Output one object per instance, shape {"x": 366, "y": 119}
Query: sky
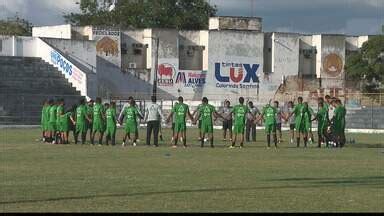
{"x": 353, "y": 17}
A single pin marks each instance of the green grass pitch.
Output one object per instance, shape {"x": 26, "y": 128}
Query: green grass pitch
{"x": 38, "y": 177}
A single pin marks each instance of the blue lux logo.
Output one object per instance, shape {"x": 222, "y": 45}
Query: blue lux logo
{"x": 250, "y": 73}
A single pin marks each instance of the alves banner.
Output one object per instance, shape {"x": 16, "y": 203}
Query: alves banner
{"x": 236, "y": 75}
{"x": 168, "y": 76}
{"x": 191, "y": 79}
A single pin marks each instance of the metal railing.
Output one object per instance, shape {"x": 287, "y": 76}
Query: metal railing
{"x": 363, "y": 110}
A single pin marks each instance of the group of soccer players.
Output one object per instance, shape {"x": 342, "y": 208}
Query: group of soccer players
{"x": 93, "y": 117}
{"x": 96, "y": 117}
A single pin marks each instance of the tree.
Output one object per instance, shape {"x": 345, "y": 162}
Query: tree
{"x": 368, "y": 65}
{"x": 179, "y": 14}
{"x": 15, "y": 26}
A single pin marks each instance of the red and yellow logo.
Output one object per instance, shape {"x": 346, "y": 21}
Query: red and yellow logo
{"x": 333, "y": 64}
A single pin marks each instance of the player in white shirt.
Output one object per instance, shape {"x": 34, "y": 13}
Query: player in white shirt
{"x": 291, "y": 120}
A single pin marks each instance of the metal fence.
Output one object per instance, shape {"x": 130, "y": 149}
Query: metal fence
{"x": 363, "y": 110}
{"x": 21, "y": 108}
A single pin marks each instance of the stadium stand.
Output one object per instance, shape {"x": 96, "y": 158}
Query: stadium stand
{"x": 25, "y": 82}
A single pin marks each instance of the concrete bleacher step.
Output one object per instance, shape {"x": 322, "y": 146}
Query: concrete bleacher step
{"x": 25, "y": 83}
{"x": 22, "y": 84}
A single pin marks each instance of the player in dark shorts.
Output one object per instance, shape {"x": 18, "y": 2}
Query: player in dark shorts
{"x": 227, "y": 121}
{"x": 89, "y": 125}
{"x": 290, "y": 120}
{"x": 199, "y": 122}
{"x": 278, "y": 121}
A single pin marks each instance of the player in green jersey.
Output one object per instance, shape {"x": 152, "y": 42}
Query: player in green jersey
{"x": 302, "y": 120}
{"x": 98, "y": 121}
{"x": 65, "y": 117}
{"x": 72, "y": 122}
{"x": 269, "y": 114}
{"x": 199, "y": 123}
{"x": 81, "y": 121}
{"x": 322, "y": 122}
{"x": 44, "y": 120}
{"x": 204, "y": 114}
{"x": 305, "y": 123}
{"x": 339, "y": 123}
{"x": 343, "y": 114}
{"x": 181, "y": 110}
{"x": 59, "y": 112}
{"x": 105, "y": 107}
{"x": 330, "y": 108}
{"x": 239, "y": 111}
{"x": 173, "y": 124}
{"x": 296, "y": 112}
{"x": 311, "y": 139}
{"x": 327, "y": 103}
{"x": 89, "y": 107}
{"x": 52, "y": 121}
{"x": 130, "y": 113}
{"x": 110, "y": 133}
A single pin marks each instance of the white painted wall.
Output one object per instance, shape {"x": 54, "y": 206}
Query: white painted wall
{"x": 332, "y": 44}
{"x": 204, "y": 38}
{"x": 213, "y": 23}
{"x": 18, "y": 46}
{"x": 352, "y": 43}
{"x": 243, "y": 48}
{"x": 235, "y": 23}
{"x": 58, "y": 31}
{"x": 361, "y": 40}
{"x": 71, "y": 72}
{"x": 147, "y": 34}
{"x": 84, "y": 31}
{"x": 307, "y": 66}
{"x": 129, "y": 38}
{"x": 82, "y": 51}
{"x": 7, "y": 43}
{"x": 316, "y": 41}
{"x": 285, "y": 54}
{"x": 168, "y": 58}
{"x": 99, "y": 34}
{"x": 35, "y": 47}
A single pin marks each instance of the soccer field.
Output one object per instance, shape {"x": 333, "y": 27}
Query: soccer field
{"x": 83, "y": 178}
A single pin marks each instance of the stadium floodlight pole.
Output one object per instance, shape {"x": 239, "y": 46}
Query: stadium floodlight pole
{"x": 154, "y": 90}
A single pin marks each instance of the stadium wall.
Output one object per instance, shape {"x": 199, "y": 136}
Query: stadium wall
{"x": 57, "y": 31}
{"x": 332, "y": 61}
{"x": 83, "y": 51}
{"x": 36, "y": 47}
{"x": 108, "y": 44}
{"x": 235, "y": 64}
{"x": 7, "y": 45}
{"x": 307, "y": 56}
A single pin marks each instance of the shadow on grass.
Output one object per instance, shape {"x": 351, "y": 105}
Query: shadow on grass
{"x": 313, "y": 183}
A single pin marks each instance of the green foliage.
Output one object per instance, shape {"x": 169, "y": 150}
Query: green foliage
{"x": 179, "y": 14}
{"x": 15, "y": 26}
{"x": 368, "y": 64}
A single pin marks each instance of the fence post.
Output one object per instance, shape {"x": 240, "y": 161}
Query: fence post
{"x": 372, "y": 113}
{"x": 23, "y": 105}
